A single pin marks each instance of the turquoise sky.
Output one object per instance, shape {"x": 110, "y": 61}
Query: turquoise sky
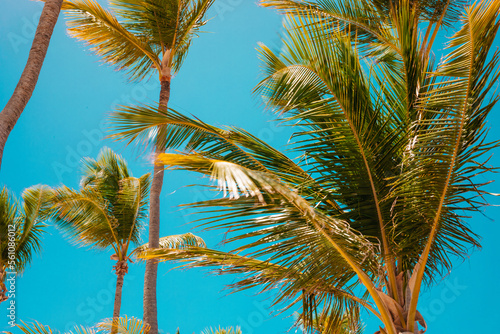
{"x": 65, "y": 121}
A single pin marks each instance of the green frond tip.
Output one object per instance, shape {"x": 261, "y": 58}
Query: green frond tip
{"x": 26, "y": 222}
{"x": 123, "y": 325}
{"x": 220, "y": 330}
{"x": 38, "y": 328}
{"x": 109, "y": 209}
{"x": 180, "y": 241}
{"x": 138, "y": 37}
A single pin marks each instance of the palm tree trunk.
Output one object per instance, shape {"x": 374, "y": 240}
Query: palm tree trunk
{"x": 118, "y": 302}
{"x": 121, "y": 268}
{"x": 150, "y": 277}
{"x": 26, "y": 85}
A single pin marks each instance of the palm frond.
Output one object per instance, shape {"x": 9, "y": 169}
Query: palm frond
{"x": 25, "y": 222}
{"x": 37, "y": 328}
{"x": 85, "y": 216}
{"x": 124, "y": 325}
{"x": 220, "y": 330}
{"x": 265, "y": 275}
{"x": 109, "y": 209}
{"x": 231, "y": 144}
{"x": 278, "y": 234}
{"x": 135, "y": 36}
{"x": 178, "y": 242}
{"x": 192, "y": 18}
{"x": 362, "y": 20}
{"x": 322, "y": 84}
{"x": 89, "y": 22}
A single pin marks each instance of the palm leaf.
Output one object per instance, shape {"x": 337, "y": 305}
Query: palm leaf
{"x": 124, "y": 325}
{"x": 38, "y": 328}
{"x": 26, "y": 221}
{"x": 446, "y": 143}
{"x": 179, "y": 242}
{"x": 89, "y": 22}
{"x": 228, "y": 330}
{"x": 328, "y": 240}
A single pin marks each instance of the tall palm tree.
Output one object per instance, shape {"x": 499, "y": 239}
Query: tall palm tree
{"x": 21, "y": 228}
{"x": 390, "y": 144}
{"x": 142, "y": 38}
{"x": 107, "y": 212}
{"x": 26, "y": 85}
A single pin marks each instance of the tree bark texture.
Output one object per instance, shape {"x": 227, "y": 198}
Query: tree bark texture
{"x": 150, "y": 277}
{"x": 26, "y": 85}
{"x": 118, "y": 302}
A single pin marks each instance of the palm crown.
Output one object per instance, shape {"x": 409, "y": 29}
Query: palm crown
{"x": 21, "y": 227}
{"x": 138, "y": 36}
{"x": 110, "y": 208}
{"x": 390, "y": 144}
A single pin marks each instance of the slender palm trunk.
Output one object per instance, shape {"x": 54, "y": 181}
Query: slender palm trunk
{"x": 150, "y": 302}
{"x": 26, "y": 85}
{"x": 121, "y": 269}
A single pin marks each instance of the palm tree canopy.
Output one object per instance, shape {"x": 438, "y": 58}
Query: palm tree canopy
{"x": 110, "y": 209}
{"x": 138, "y": 36}
{"x": 25, "y": 222}
{"x": 389, "y": 153}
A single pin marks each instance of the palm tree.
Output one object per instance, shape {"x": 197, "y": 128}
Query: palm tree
{"x": 21, "y": 227}
{"x": 389, "y": 145}
{"x": 107, "y": 212}
{"x": 142, "y": 37}
{"x": 26, "y": 85}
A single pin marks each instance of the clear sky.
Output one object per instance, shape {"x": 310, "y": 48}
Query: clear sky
{"x": 65, "y": 121}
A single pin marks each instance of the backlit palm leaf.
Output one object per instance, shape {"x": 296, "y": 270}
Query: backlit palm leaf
{"x": 138, "y": 36}
{"x": 181, "y": 241}
{"x": 26, "y": 223}
{"x": 109, "y": 209}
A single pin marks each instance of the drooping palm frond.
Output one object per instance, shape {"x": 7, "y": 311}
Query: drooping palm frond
{"x": 327, "y": 323}
{"x": 85, "y": 217}
{"x": 359, "y": 18}
{"x": 124, "y": 325}
{"x": 397, "y": 146}
{"x": 291, "y": 282}
{"x": 38, "y": 328}
{"x": 282, "y": 225}
{"x": 367, "y": 15}
{"x": 139, "y": 37}
{"x": 89, "y": 22}
{"x": 25, "y": 223}
{"x": 109, "y": 210}
{"x": 220, "y": 330}
{"x": 447, "y": 146}
{"x": 229, "y": 144}
{"x": 322, "y": 84}
{"x": 181, "y": 241}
